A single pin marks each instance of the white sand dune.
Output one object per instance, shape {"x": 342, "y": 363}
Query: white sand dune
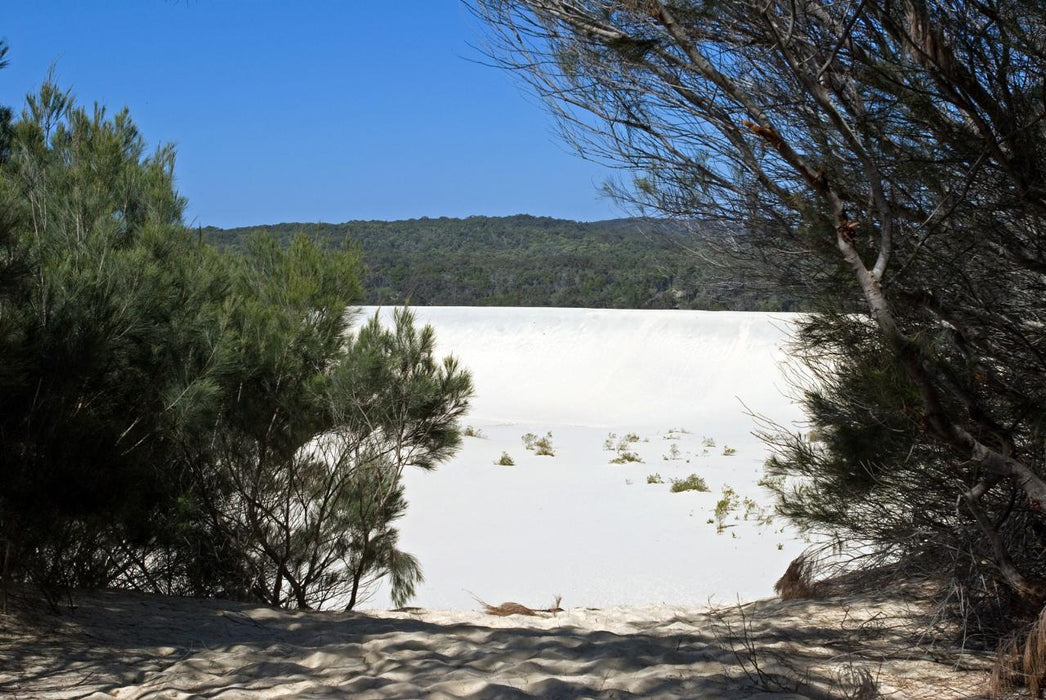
{"x": 574, "y": 524}
{"x": 608, "y": 368}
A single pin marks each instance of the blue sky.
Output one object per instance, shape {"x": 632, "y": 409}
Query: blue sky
{"x": 311, "y": 111}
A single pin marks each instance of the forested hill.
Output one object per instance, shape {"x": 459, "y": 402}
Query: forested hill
{"x": 531, "y": 261}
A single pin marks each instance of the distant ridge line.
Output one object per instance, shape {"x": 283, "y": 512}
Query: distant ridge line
{"x": 527, "y": 260}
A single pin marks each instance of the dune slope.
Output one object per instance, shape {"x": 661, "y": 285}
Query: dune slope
{"x": 673, "y": 389}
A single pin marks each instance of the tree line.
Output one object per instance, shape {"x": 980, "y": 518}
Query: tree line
{"x": 539, "y": 261}
{"x": 182, "y": 420}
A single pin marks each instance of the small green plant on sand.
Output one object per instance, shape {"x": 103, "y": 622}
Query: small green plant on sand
{"x": 626, "y": 456}
{"x": 610, "y": 442}
{"x": 505, "y": 460}
{"x": 654, "y": 479}
{"x": 624, "y": 450}
{"x": 708, "y": 442}
{"x": 751, "y": 507}
{"x": 773, "y": 483}
{"x": 691, "y": 483}
{"x": 540, "y": 446}
{"x": 729, "y": 451}
{"x": 726, "y": 503}
{"x": 674, "y": 453}
{"x": 543, "y": 446}
{"x": 472, "y": 432}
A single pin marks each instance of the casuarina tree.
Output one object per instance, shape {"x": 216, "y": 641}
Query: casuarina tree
{"x": 887, "y": 157}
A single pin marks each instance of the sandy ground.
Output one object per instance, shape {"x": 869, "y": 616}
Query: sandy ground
{"x": 680, "y": 383}
{"x": 575, "y": 524}
{"x": 136, "y": 646}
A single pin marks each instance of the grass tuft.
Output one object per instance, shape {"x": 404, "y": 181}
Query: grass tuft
{"x": 691, "y": 483}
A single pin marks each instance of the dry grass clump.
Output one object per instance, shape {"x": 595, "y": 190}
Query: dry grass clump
{"x": 510, "y": 608}
{"x": 1021, "y": 660}
{"x": 797, "y": 582}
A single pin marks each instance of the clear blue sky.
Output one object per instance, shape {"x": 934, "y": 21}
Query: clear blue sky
{"x": 310, "y": 111}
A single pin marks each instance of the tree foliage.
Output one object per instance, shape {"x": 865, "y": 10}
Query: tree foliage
{"x": 181, "y": 420}
{"x": 887, "y": 157}
{"x": 537, "y": 261}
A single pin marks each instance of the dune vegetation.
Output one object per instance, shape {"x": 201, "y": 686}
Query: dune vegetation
{"x": 201, "y": 413}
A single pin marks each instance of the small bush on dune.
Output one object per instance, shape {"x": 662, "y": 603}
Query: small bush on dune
{"x": 624, "y": 451}
{"x": 543, "y": 446}
{"x": 505, "y": 460}
{"x": 751, "y": 507}
{"x": 654, "y": 479}
{"x": 729, "y": 451}
{"x": 723, "y": 506}
{"x": 473, "y": 432}
{"x": 691, "y": 483}
{"x": 539, "y": 446}
{"x": 626, "y": 456}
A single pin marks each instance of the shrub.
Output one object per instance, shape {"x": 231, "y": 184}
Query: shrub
{"x": 654, "y": 479}
{"x": 708, "y": 442}
{"x": 543, "y": 446}
{"x": 674, "y": 453}
{"x": 185, "y": 421}
{"x": 727, "y": 502}
{"x": 626, "y": 456}
{"x": 729, "y": 451}
{"x": 624, "y": 452}
{"x": 473, "y": 432}
{"x": 540, "y": 446}
{"x": 505, "y": 460}
{"x": 609, "y": 443}
{"x": 691, "y": 483}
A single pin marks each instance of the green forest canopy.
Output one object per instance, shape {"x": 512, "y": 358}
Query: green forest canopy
{"x": 535, "y": 261}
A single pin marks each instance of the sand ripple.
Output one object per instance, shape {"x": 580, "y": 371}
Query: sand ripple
{"x": 134, "y": 647}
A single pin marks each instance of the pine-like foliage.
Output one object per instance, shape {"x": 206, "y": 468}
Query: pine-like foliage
{"x": 178, "y": 420}
{"x": 886, "y": 158}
